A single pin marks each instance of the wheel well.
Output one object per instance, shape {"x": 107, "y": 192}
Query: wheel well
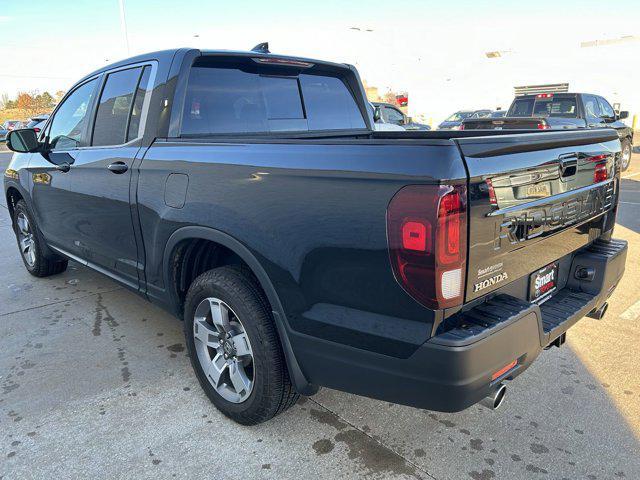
{"x": 194, "y": 256}
{"x": 13, "y": 197}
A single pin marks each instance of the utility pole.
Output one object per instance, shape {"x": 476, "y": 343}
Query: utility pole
{"x": 123, "y": 25}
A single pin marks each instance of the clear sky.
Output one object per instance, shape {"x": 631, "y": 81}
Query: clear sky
{"x": 48, "y": 44}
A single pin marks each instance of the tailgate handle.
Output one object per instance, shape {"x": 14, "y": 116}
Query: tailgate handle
{"x": 568, "y": 164}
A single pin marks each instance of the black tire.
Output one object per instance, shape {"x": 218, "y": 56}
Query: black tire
{"x": 44, "y": 263}
{"x": 272, "y": 391}
{"x": 626, "y": 147}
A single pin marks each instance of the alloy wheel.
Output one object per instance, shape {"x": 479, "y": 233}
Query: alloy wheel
{"x": 224, "y": 350}
{"x": 26, "y": 239}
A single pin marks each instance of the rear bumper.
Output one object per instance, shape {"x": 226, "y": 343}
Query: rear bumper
{"x": 453, "y": 371}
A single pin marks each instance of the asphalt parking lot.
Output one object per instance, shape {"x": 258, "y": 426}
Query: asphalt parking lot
{"x": 95, "y": 382}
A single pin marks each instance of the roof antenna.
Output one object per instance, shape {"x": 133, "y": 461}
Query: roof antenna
{"x": 261, "y": 48}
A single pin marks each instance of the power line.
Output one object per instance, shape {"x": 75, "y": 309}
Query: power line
{"x": 34, "y": 76}
{"x": 123, "y": 25}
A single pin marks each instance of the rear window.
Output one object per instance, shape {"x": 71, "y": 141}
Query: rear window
{"x": 222, "y": 100}
{"x": 458, "y": 116}
{"x": 556, "y": 106}
{"x": 521, "y": 108}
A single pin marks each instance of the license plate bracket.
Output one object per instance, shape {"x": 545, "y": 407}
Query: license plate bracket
{"x": 543, "y": 283}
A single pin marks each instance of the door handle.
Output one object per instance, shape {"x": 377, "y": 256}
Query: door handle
{"x": 63, "y": 167}
{"x": 118, "y": 167}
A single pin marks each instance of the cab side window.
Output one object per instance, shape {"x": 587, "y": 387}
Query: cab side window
{"x": 394, "y": 116}
{"x": 606, "y": 109}
{"x": 591, "y": 108}
{"x": 114, "y": 108}
{"x": 68, "y": 124}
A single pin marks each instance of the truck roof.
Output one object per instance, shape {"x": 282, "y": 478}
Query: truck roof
{"x": 554, "y": 94}
{"x": 168, "y": 55}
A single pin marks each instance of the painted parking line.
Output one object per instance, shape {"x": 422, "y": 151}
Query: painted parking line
{"x": 632, "y": 312}
{"x": 630, "y": 203}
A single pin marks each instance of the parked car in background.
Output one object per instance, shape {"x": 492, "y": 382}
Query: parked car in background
{"x": 454, "y": 121}
{"x": 561, "y": 111}
{"x": 379, "y": 124}
{"x": 12, "y": 124}
{"x": 387, "y": 113}
{"x": 481, "y": 114}
{"x": 38, "y": 122}
{"x": 498, "y": 114}
{"x": 3, "y": 134}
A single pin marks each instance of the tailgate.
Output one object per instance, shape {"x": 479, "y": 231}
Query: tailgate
{"x": 505, "y": 123}
{"x": 533, "y": 198}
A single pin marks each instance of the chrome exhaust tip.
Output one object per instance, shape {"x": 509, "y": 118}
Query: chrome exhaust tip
{"x": 495, "y": 398}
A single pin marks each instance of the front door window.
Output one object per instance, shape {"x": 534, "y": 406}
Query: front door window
{"x": 68, "y": 125}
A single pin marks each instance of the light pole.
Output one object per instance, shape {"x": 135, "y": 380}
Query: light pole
{"x": 357, "y": 29}
{"x": 123, "y": 25}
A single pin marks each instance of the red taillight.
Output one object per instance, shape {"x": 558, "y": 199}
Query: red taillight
{"x": 427, "y": 234}
{"x": 600, "y": 173}
{"x": 414, "y": 236}
{"x": 461, "y": 126}
{"x": 543, "y": 126}
{"x": 449, "y": 228}
{"x": 493, "y": 200}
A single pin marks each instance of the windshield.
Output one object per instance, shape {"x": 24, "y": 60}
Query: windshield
{"x": 554, "y": 106}
{"x": 458, "y": 116}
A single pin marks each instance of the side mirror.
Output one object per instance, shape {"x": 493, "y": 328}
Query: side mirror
{"x": 377, "y": 115}
{"x": 623, "y": 114}
{"x": 24, "y": 140}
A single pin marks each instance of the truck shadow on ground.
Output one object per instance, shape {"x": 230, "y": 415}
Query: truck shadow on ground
{"x": 95, "y": 381}
{"x": 557, "y": 420}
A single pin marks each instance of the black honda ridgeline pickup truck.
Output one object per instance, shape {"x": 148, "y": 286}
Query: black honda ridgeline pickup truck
{"x": 561, "y": 111}
{"x": 248, "y": 194}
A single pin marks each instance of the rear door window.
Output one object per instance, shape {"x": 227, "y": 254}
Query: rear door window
{"x": 115, "y": 107}
{"x": 138, "y": 104}
{"x": 221, "y": 100}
